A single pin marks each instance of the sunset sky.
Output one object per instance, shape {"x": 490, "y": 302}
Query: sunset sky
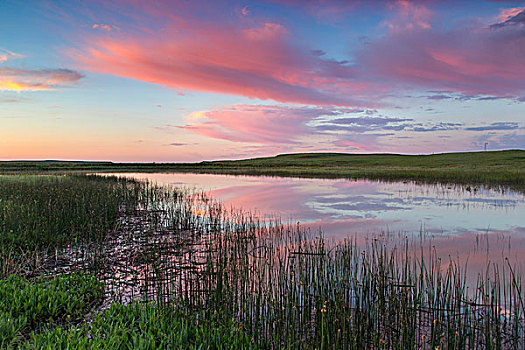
{"x": 174, "y": 81}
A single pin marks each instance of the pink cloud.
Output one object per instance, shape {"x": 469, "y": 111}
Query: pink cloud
{"x": 255, "y": 124}
{"x": 470, "y": 60}
{"x": 187, "y": 46}
{"x": 245, "y": 11}
{"x": 257, "y": 61}
{"x": 507, "y": 13}
{"x": 333, "y": 11}
{"x": 323, "y": 9}
{"x": 296, "y": 127}
{"x": 107, "y": 27}
{"x": 8, "y": 55}
{"x": 409, "y": 15}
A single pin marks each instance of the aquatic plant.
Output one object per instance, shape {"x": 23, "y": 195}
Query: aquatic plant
{"x": 144, "y": 326}
{"x": 30, "y": 305}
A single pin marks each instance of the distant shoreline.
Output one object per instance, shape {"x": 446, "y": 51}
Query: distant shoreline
{"x": 496, "y": 168}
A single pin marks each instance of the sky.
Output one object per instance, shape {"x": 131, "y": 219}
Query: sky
{"x": 186, "y": 81}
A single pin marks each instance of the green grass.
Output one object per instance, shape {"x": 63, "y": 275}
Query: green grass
{"x": 144, "y": 326}
{"x": 50, "y": 313}
{"x": 38, "y": 211}
{"x": 44, "y": 213}
{"x": 28, "y": 306}
{"x": 495, "y": 168}
{"x": 502, "y": 168}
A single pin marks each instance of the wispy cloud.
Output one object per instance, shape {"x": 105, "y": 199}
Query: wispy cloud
{"x": 282, "y": 125}
{"x": 408, "y": 15}
{"x": 441, "y": 126}
{"x": 177, "y": 144}
{"x": 15, "y": 79}
{"x": 8, "y": 100}
{"x": 245, "y": 11}
{"x": 106, "y": 27}
{"x": 6, "y": 55}
{"x": 256, "y": 123}
{"x": 327, "y": 10}
{"x": 363, "y": 124}
{"x": 510, "y": 16}
{"x": 495, "y": 126}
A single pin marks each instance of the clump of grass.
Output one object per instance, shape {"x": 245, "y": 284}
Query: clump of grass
{"x": 38, "y": 211}
{"x": 145, "y": 326}
{"x": 30, "y": 305}
{"x": 292, "y": 290}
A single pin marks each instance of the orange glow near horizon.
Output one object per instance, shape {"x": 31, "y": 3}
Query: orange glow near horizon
{"x": 9, "y": 85}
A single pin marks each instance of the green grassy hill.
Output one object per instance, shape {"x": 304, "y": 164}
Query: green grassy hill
{"x": 495, "y": 159}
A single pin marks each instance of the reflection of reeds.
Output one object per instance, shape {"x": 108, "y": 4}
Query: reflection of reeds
{"x": 285, "y": 286}
{"x": 309, "y": 293}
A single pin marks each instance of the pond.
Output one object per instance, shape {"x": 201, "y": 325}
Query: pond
{"x": 464, "y": 223}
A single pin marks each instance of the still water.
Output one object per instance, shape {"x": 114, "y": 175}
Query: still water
{"x": 475, "y": 224}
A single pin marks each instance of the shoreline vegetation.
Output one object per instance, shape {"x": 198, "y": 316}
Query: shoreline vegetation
{"x": 492, "y": 168}
{"x": 93, "y": 262}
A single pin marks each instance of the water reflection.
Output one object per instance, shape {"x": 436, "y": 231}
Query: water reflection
{"x": 345, "y": 207}
{"x": 457, "y": 222}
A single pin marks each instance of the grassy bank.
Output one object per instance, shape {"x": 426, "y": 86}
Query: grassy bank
{"x": 41, "y": 211}
{"x": 181, "y": 270}
{"x": 145, "y": 327}
{"x": 41, "y": 214}
{"x": 505, "y": 168}
{"x": 51, "y": 313}
{"x": 29, "y": 307}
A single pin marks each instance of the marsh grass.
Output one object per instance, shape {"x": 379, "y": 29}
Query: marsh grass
{"x": 280, "y": 285}
{"x": 305, "y": 292}
{"x": 29, "y": 306}
{"x": 144, "y": 326}
{"x": 41, "y": 214}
